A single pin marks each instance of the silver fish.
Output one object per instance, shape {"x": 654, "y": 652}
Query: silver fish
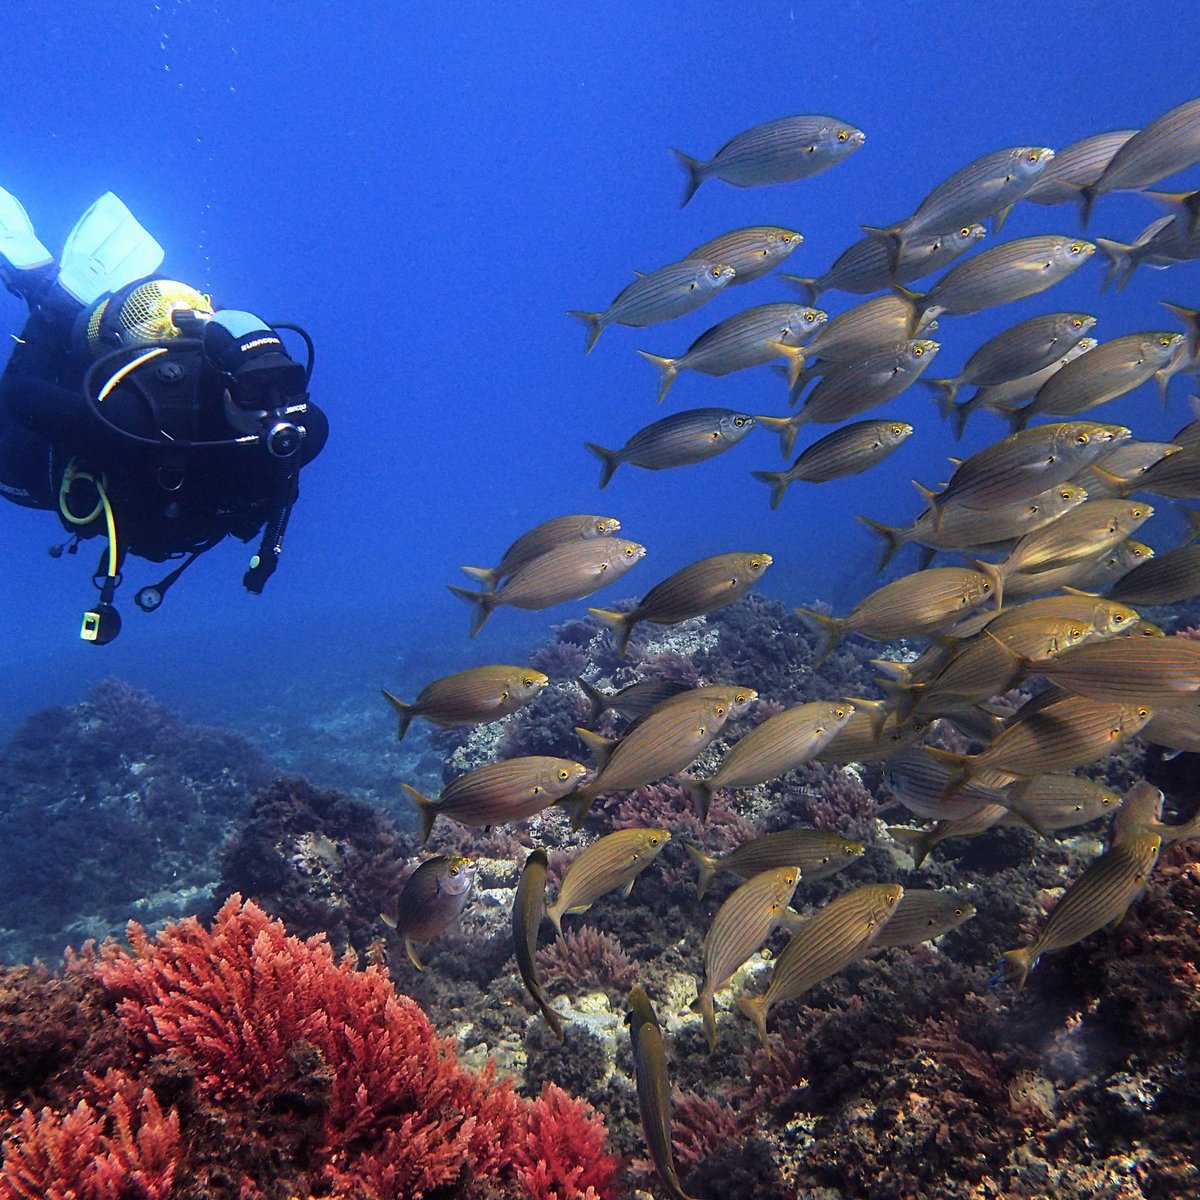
{"x": 1076, "y": 166}
{"x": 432, "y": 898}
{"x": 752, "y": 252}
{"x": 775, "y": 152}
{"x": 867, "y": 265}
{"x": 679, "y": 440}
{"x": 661, "y": 295}
{"x": 529, "y": 906}
{"x": 541, "y": 538}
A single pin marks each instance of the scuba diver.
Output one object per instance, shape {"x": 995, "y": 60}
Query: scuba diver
{"x": 141, "y": 413}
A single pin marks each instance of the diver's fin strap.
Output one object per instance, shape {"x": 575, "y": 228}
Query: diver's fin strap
{"x": 106, "y": 251}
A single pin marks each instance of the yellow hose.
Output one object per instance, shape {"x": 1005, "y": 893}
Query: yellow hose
{"x": 102, "y": 503}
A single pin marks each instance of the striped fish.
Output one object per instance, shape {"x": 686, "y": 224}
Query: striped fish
{"x": 567, "y": 572}
{"x": 1159, "y": 245}
{"x": 633, "y": 701}
{"x": 701, "y": 587}
{"x": 1088, "y": 575}
{"x": 1146, "y": 671}
{"x": 432, "y": 899}
{"x": 1072, "y": 732}
{"x": 540, "y": 539}
{"x": 1076, "y": 166}
{"x": 1026, "y": 463}
{"x": 529, "y": 906}
{"x": 867, "y": 266}
{"x": 867, "y": 739}
{"x": 500, "y": 792}
{"x": 1177, "y": 476}
{"x": 780, "y": 744}
{"x": 472, "y": 696}
{"x": 989, "y": 186}
{"x": 679, "y": 440}
{"x": 824, "y": 944}
{"x": 1000, "y": 275}
{"x": 849, "y": 389}
{"x": 847, "y": 451}
{"x": 920, "y": 785}
{"x": 1116, "y": 473}
{"x": 921, "y": 916}
{"x": 653, "y": 1089}
{"x": 775, "y": 152}
{"x": 741, "y": 925}
{"x": 1168, "y": 144}
{"x": 966, "y": 528}
{"x": 1087, "y": 532}
{"x": 613, "y": 861}
{"x": 1002, "y": 398}
{"x": 1167, "y": 580}
{"x": 920, "y": 603}
{"x": 661, "y": 295}
{"x": 1175, "y": 728}
{"x": 1025, "y": 348}
{"x": 662, "y": 743}
{"x": 1109, "y": 371}
{"x": 1097, "y": 898}
{"x": 747, "y": 339}
{"x": 867, "y": 328}
{"x": 816, "y": 853}
{"x": 753, "y": 251}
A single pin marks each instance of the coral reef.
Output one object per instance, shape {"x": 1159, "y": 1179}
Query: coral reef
{"x": 257, "y": 1065}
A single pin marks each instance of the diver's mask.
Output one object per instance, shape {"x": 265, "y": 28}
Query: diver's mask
{"x": 265, "y": 386}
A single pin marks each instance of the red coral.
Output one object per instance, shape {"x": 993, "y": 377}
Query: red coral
{"x": 241, "y": 1004}
{"x": 109, "y": 1149}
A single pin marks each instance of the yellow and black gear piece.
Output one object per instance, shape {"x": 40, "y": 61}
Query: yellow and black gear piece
{"x": 143, "y": 315}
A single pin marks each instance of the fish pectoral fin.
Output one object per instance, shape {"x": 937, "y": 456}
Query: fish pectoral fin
{"x": 626, "y": 890}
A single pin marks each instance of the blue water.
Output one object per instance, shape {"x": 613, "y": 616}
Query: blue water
{"x": 427, "y": 188}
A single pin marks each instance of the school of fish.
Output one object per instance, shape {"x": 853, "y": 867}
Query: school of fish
{"x": 1045, "y": 590}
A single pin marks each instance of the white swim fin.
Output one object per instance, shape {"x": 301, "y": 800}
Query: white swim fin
{"x": 19, "y": 246}
{"x": 106, "y": 251}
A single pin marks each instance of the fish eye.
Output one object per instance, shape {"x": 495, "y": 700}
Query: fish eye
{"x": 1033, "y": 156}
{"x": 1107, "y": 800}
{"x": 564, "y": 774}
{"x": 1082, "y": 439}
{"x": 754, "y": 565}
{"x": 958, "y": 912}
{"x": 628, "y": 552}
{"x": 654, "y": 841}
{"x": 965, "y": 231}
{"x": 1077, "y": 323}
{"x": 842, "y": 135}
{"x": 1076, "y": 247}
{"x": 1165, "y": 341}
{"x": 810, "y": 317}
{"x": 1118, "y": 618}
{"x": 918, "y": 351}
{"x": 720, "y": 710}
{"x": 529, "y": 681}
{"x": 739, "y": 421}
{"x": 453, "y": 871}
{"x": 716, "y": 272}
{"x": 1143, "y": 712}
{"x": 839, "y": 712}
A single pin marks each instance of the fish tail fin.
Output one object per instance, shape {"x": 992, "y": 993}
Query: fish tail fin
{"x": 609, "y": 462}
{"x": 795, "y": 356}
{"x": 892, "y": 238}
{"x": 595, "y": 326}
{"x": 828, "y": 630}
{"x": 667, "y": 368}
{"x": 786, "y": 427}
{"x": 700, "y": 793}
{"x": 426, "y": 812}
{"x": 777, "y": 481}
{"x": 959, "y": 766}
{"x": 997, "y": 574}
{"x": 600, "y": 746}
{"x": 703, "y": 1004}
{"x": 555, "y": 913}
{"x": 876, "y": 709}
{"x": 597, "y": 700}
{"x": 405, "y": 711}
{"x": 754, "y": 1009}
{"x": 1189, "y": 318}
{"x": 915, "y": 310}
{"x": 484, "y": 602}
{"x": 1120, "y": 262}
{"x": 488, "y": 576}
{"x": 904, "y": 696}
{"x": 706, "y": 868}
{"x": 411, "y": 951}
{"x": 945, "y": 391}
{"x": 1018, "y": 418}
{"x": 958, "y": 415}
{"x": 620, "y": 625}
{"x": 809, "y": 287}
{"x": 693, "y": 169}
{"x": 1087, "y": 199}
{"x": 914, "y": 842}
{"x": 1018, "y": 964}
{"x": 576, "y": 806}
{"x": 891, "y": 535}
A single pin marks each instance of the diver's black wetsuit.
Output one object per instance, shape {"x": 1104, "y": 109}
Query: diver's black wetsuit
{"x": 168, "y": 495}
